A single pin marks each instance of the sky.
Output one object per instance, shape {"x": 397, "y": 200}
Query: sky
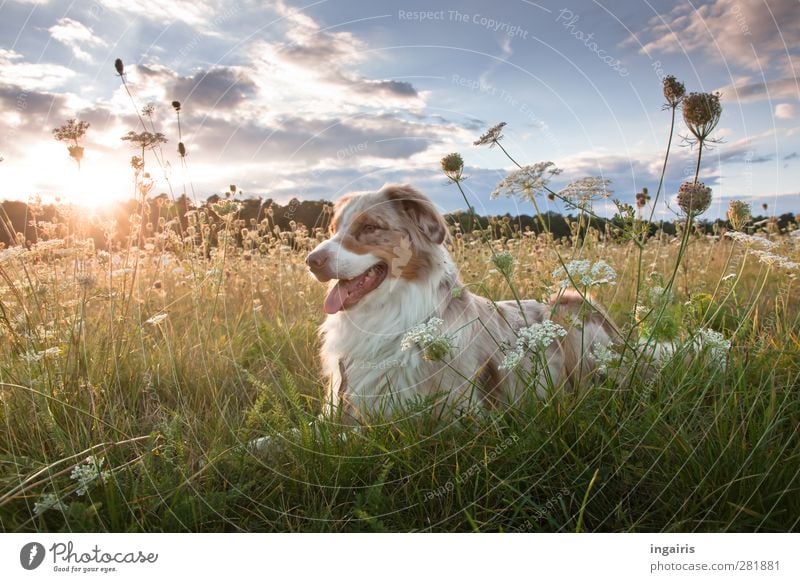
{"x": 316, "y": 99}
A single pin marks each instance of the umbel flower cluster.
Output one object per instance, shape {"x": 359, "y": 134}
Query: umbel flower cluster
{"x": 536, "y": 338}
{"x": 429, "y": 337}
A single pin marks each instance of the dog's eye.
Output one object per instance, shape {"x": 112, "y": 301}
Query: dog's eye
{"x": 368, "y": 229}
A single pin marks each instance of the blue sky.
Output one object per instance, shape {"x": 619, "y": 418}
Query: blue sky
{"x": 315, "y": 99}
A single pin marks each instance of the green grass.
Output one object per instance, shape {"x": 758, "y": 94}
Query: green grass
{"x": 169, "y": 406}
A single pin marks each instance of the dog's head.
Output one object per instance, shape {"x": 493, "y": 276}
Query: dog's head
{"x": 395, "y": 233}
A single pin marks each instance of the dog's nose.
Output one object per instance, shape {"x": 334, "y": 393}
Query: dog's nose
{"x": 316, "y": 261}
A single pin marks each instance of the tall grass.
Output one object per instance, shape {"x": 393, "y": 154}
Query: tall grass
{"x": 132, "y": 380}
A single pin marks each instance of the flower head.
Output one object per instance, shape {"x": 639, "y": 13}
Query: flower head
{"x": 527, "y": 181}
{"x": 428, "y": 336}
{"x": 582, "y": 273}
{"x": 674, "y": 91}
{"x": 48, "y": 501}
{"x": 87, "y": 473}
{"x": 536, "y": 338}
{"x": 694, "y": 198}
{"x": 701, "y": 112}
{"x": 453, "y": 166}
{"x": 739, "y": 214}
{"x": 492, "y": 136}
{"x": 587, "y": 188}
{"x": 504, "y": 262}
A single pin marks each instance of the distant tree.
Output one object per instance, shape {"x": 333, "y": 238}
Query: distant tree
{"x": 71, "y": 133}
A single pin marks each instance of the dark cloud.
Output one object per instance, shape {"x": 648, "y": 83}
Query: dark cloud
{"x": 218, "y": 87}
{"x": 791, "y": 156}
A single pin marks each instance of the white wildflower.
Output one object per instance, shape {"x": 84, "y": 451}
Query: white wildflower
{"x": 603, "y": 356}
{"x": 750, "y": 239}
{"x": 88, "y": 473}
{"x": 773, "y": 260}
{"x": 48, "y": 501}
{"x": 156, "y": 319}
{"x": 11, "y": 253}
{"x": 527, "y": 181}
{"x": 429, "y": 337}
{"x": 537, "y": 338}
{"x": 582, "y": 273}
{"x": 588, "y": 188}
{"x": 714, "y": 343}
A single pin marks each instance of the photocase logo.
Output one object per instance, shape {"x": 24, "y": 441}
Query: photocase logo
{"x": 31, "y": 555}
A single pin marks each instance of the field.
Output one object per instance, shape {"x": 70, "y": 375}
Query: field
{"x": 132, "y": 381}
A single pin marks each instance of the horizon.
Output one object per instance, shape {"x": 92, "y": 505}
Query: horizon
{"x": 311, "y": 102}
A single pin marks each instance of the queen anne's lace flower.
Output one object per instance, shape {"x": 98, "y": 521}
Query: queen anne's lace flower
{"x": 587, "y": 188}
{"x": 582, "y": 273}
{"x": 714, "y": 344}
{"x": 750, "y": 239}
{"x": 527, "y": 181}
{"x": 428, "y": 336}
{"x": 603, "y": 356}
{"x": 48, "y": 501}
{"x": 88, "y": 473}
{"x": 536, "y": 338}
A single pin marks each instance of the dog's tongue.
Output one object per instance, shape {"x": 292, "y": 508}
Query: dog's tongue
{"x": 342, "y": 294}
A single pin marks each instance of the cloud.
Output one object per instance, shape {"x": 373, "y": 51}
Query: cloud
{"x": 218, "y": 88}
{"x": 198, "y": 14}
{"x": 745, "y": 90}
{"x": 31, "y": 76}
{"x": 751, "y": 34}
{"x": 76, "y": 36}
{"x": 785, "y": 111}
{"x": 791, "y": 156}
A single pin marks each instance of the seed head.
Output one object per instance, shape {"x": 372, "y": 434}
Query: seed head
{"x": 674, "y": 91}
{"x": 739, "y": 214}
{"x": 453, "y": 166}
{"x": 119, "y": 67}
{"x": 492, "y": 136}
{"x": 176, "y": 105}
{"x": 701, "y": 112}
{"x": 694, "y": 198}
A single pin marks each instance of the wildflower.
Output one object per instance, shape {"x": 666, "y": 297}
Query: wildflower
{"x": 88, "y": 473}
{"x": 453, "y": 166}
{"x": 582, "y": 273}
{"x": 176, "y": 105}
{"x": 492, "y": 136}
{"x": 739, "y": 214}
{"x": 750, "y": 239}
{"x": 504, "y": 262}
{"x": 144, "y": 140}
{"x": 226, "y": 208}
{"x": 773, "y": 260}
{"x": 701, "y": 112}
{"x": 603, "y": 356}
{"x": 156, "y": 319}
{"x": 694, "y": 198}
{"x": 48, "y": 501}
{"x": 428, "y": 336}
{"x": 674, "y": 91}
{"x": 11, "y": 253}
{"x": 714, "y": 343}
{"x": 119, "y": 67}
{"x": 587, "y": 188}
{"x": 181, "y": 149}
{"x": 537, "y": 338}
{"x": 526, "y": 181}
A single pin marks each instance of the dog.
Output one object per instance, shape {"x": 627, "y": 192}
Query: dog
{"x": 388, "y": 270}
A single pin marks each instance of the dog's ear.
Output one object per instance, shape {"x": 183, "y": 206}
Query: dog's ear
{"x": 420, "y": 210}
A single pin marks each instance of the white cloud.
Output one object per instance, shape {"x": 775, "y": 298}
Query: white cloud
{"x": 785, "y": 111}
{"x": 31, "y": 76}
{"x": 76, "y": 35}
{"x": 754, "y": 35}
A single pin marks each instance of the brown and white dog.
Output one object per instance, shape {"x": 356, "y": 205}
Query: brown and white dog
{"x": 389, "y": 270}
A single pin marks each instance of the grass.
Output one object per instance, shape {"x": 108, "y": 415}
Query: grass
{"x": 88, "y": 368}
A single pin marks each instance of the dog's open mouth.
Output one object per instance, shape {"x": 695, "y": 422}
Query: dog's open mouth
{"x": 348, "y": 292}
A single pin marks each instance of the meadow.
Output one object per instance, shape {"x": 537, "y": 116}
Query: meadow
{"x": 133, "y": 376}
